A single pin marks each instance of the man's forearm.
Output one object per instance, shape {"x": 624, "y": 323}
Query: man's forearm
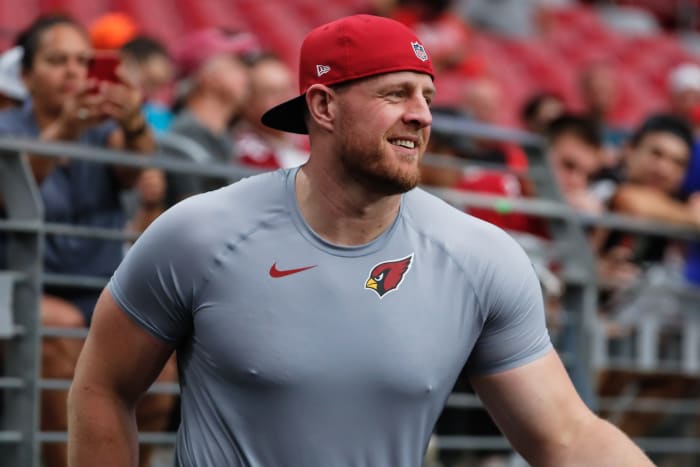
{"x": 603, "y": 445}
{"x": 101, "y": 431}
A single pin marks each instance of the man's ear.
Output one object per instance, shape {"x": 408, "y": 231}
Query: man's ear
{"x": 322, "y": 104}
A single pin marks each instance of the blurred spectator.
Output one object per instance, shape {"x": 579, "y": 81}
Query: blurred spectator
{"x": 112, "y": 30}
{"x": 382, "y": 7}
{"x": 655, "y": 164}
{"x": 508, "y": 17}
{"x": 215, "y": 93}
{"x": 691, "y": 188}
{"x": 481, "y": 103}
{"x": 12, "y": 90}
{"x": 684, "y": 100}
{"x": 149, "y": 66}
{"x": 199, "y": 46}
{"x": 684, "y": 90}
{"x": 147, "y": 62}
{"x": 257, "y": 145}
{"x": 598, "y": 86}
{"x": 64, "y": 106}
{"x": 540, "y": 110}
{"x": 574, "y": 154}
{"x": 442, "y": 32}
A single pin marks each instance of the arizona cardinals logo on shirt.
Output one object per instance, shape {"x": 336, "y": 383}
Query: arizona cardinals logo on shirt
{"x": 387, "y": 276}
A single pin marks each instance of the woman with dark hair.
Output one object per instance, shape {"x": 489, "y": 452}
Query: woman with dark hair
{"x": 64, "y": 105}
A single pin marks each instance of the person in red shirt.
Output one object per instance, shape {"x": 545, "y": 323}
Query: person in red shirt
{"x": 257, "y": 145}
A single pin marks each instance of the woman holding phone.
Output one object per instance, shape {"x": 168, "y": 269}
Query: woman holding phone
{"x": 66, "y": 105}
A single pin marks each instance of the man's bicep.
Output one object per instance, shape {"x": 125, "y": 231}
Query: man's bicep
{"x": 535, "y": 405}
{"x": 120, "y": 356}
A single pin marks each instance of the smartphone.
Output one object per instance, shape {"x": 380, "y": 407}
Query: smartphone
{"x": 103, "y": 66}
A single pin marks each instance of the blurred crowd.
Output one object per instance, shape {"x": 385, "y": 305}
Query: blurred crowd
{"x": 202, "y": 101}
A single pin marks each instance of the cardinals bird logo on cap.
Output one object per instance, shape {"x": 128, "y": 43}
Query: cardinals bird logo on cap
{"x": 387, "y": 276}
{"x": 419, "y": 50}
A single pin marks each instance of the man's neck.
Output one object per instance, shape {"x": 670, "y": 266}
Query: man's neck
{"x": 340, "y": 212}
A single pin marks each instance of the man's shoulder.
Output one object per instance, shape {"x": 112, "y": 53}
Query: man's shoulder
{"x": 432, "y": 214}
{"x": 245, "y": 198}
{"x": 459, "y": 234}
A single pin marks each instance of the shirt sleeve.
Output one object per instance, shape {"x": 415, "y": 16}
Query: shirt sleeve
{"x": 158, "y": 282}
{"x": 514, "y": 331}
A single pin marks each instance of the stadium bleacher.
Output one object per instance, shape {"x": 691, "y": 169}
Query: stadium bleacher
{"x": 574, "y": 36}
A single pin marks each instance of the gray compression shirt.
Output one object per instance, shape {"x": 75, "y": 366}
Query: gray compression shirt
{"x": 296, "y": 352}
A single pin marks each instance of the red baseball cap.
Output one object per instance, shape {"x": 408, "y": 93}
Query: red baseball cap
{"x": 353, "y": 47}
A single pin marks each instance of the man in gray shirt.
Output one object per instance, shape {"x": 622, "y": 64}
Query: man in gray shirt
{"x": 322, "y": 314}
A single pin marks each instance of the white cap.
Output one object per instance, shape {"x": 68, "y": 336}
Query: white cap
{"x": 685, "y": 77}
{"x": 10, "y": 75}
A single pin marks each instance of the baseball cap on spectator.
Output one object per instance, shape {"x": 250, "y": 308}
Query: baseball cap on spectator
{"x": 193, "y": 50}
{"x": 685, "y": 77}
{"x": 10, "y": 74}
{"x": 112, "y": 30}
{"x": 350, "y": 48}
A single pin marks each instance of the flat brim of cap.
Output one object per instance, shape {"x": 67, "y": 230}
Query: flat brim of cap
{"x": 288, "y": 116}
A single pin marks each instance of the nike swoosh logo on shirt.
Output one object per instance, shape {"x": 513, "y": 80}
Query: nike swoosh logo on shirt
{"x": 274, "y": 272}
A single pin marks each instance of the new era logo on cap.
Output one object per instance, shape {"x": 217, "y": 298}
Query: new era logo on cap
{"x": 322, "y": 69}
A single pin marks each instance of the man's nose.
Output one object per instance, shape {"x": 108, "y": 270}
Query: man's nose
{"x": 418, "y": 112}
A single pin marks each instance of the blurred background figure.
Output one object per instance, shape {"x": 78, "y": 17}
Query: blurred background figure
{"x": 211, "y": 96}
{"x": 67, "y": 106}
{"x": 654, "y": 165}
{"x": 598, "y": 88}
{"x": 149, "y": 65}
{"x": 684, "y": 90}
{"x": 444, "y": 33}
{"x": 575, "y": 154}
{"x": 509, "y": 17}
{"x": 482, "y": 102}
{"x": 540, "y": 110}
{"x": 257, "y": 145}
{"x": 12, "y": 90}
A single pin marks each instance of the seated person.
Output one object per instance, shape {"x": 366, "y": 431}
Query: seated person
{"x": 655, "y": 162}
{"x": 481, "y": 102}
{"x": 540, "y": 110}
{"x": 212, "y": 97}
{"x": 65, "y": 106}
{"x": 575, "y": 147}
{"x": 576, "y": 156}
{"x": 257, "y": 145}
{"x": 148, "y": 63}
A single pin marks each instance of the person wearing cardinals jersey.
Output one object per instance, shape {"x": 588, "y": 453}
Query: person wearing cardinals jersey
{"x": 321, "y": 314}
